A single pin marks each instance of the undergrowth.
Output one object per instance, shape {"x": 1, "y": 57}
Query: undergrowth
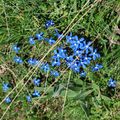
{"x": 68, "y": 96}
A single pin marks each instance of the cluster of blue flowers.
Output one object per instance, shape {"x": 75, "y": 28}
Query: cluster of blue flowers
{"x": 36, "y": 82}
{"x": 5, "y": 88}
{"x": 76, "y": 54}
{"x": 35, "y": 93}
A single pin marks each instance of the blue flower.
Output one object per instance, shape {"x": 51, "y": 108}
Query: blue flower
{"x": 39, "y": 36}
{"x": 33, "y": 61}
{"x": 83, "y": 63}
{"x": 82, "y": 39}
{"x": 74, "y": 45}
{"x": 83, "y": 74}
{"x": 31, "y": 41}
{"x": 5, "y": 87}
{"x": 87, "y": 60}
{"x": 36, "y": 93}
{"x": 8, "y": 100}
{"x": 69, "y": 38}
{"x": 55, "y": 73}
{"x": 45, "y": 67}
{"x": 15, "y": 48}
{"x": 56, "y": 55}
{"x": 59, "y": 36}
{"x": 78, "y": 52}
{"x": 94, "y": 54}
{"x": 76, "y": 69}
{"x": 87, "y": 47}
{"x": 56, "y": 62}
{"x": 112, "y": 83}
{"x": 69, "y": 64}
{"x": 18, "y": 60}
{"x": 50, "y": 41}
{"x": 78, "y": 41}
{"x": 77, "y": 44}
{"x": 62, "y": 52}
{"x": 69, "y": 58}
{"x": 49, "y": 23}
{"x": 59, "y": 53}
{"x": 75, "y": 66}
{"x": 36, "y": 81}
{"x": 28, "y": 98}
{"x": 97, "y": 67}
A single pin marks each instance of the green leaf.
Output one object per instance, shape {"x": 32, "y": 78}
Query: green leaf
{"x": 82, "y": 95}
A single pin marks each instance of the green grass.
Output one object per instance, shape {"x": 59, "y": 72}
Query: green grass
{"x": 87, "y": 99}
